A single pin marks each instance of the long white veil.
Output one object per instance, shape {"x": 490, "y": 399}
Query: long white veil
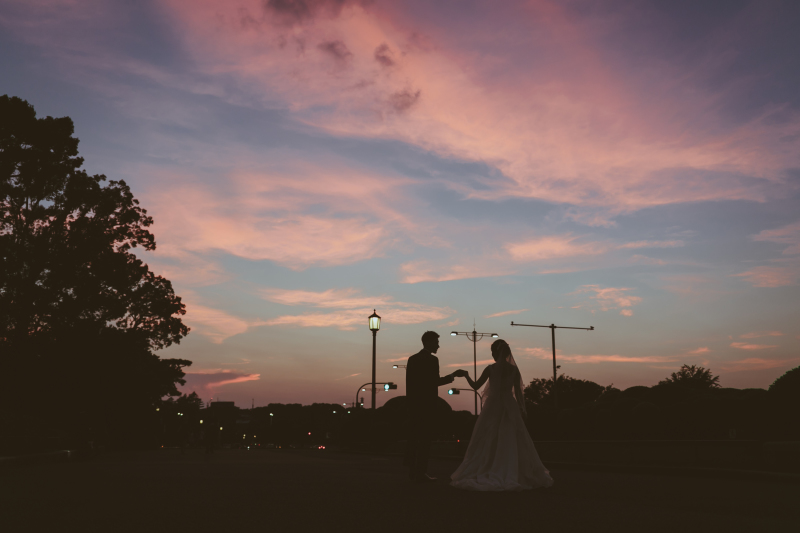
{"x": 498, "y": 379}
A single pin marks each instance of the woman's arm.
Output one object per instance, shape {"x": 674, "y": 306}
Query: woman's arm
{"x": 481, "y": 380}
{"x": 518, "y": 392}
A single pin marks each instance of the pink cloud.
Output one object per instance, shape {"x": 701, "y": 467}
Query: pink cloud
{"x": 757, "y": 363}
{"x": 205, "y": 382}
{"x": 644, "y": 260}
{"x": 610, "y": 298}
{"x": 567, "y": 125}
{"x": 350, "y": 309}
{"x": 746, "y": 346}
{"x": 422, "y": 270}
{"x": 789, "y": 234}
{"x": 757, "y": 334}
{"x": 772, "y": 276}
{"x": 574, "y": 129}
{"x": 553, "y": 247}
{"x": 347, "y": 377}
{"x": 699, "y": 351}
{"x": 541, "y": 353}
{"x": 215, "y": 324}
{"x": 506, "y": 313}
{"x": 652, "y": 244}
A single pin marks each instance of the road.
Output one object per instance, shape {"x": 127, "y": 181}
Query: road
{"x": 293, "y": 490}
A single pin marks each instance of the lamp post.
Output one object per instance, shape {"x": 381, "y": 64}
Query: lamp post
{"x": 387, "y": 386}
{"x": 374, "y": 326}
{"x": 474, "y": 336}
{"x": 553, "y": 328}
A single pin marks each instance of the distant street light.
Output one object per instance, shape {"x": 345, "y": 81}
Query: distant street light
{"x": 458, "y": 391}
{"x": 374, "y": 326}
{"x": 398, "y": 366}
{"x": 387, "y": 386}
{"x": 474, "y": 336}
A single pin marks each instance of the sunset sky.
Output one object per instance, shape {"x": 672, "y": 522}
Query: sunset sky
{"x": 628, "y": 165}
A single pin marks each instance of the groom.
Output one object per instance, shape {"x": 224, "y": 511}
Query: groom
{"x": 422, "y": 383}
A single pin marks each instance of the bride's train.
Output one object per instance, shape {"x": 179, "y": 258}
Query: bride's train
{"x": 501, "y": 455}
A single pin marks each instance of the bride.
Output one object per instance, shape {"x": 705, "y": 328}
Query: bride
{"x": 501, "y": 454}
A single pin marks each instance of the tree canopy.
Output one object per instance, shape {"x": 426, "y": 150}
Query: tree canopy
{"x": 572, "y": 392}
{"x": 787, "y": 386}
{"x": 78, "y": 310}
{"x": 695, "y": 377}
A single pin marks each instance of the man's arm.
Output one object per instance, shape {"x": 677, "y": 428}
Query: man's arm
{"x": 443, "y": 380}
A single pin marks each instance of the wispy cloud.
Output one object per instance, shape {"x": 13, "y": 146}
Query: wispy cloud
{"x": 541, "y": 353}
{"x": 652, "y": 244}
{"x": 553, "y": 247}
{"x": 746, "y": 346}
{"x": 506, "y": 313}
{"x": 215, "y": 324}
{"x": 351, "y": 309}
{"x": 423, "y": 270}
{"x": 699, "y": 351}
{"x": 205, "y": 382}
{"x": 773, "y": 276}
{"x": 758, "y": 334}
{"x": 789, "y": 234}
{"x": 757, "y": 363}
{"x": 609, "y": 298}
{"x": 347, "y": 377}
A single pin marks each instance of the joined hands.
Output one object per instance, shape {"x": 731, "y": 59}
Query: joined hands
{"x": 461, "y": 373}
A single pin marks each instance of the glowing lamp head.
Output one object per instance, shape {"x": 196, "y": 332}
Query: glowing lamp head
{"x": 453, "y": 333}
{"x": 495, "y": 335}
{"x": 453, "y": 391}
{"x": 374, "y": 321}
{"x": 389, "y": 386}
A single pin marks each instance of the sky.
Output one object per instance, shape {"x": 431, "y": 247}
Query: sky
{"x": 628, "y": 165}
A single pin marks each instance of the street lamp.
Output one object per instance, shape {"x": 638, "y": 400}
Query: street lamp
{"x": 398, "y": 366}
{"x": 374, "y": 326}
{"x": 474, "y": 336}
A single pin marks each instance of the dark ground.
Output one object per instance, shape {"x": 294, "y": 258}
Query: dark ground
{"x": 295, "y": 490}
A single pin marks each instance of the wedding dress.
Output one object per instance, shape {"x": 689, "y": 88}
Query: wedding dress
{"x": 501, "y": 455}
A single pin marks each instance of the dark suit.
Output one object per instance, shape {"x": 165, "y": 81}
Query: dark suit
{"x": 422, "y": 391}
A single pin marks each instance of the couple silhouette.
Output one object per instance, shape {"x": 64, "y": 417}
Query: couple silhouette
{"x": 501, "y": 455}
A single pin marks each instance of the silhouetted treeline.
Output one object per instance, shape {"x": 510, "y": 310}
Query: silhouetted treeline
{"x": 80, "y": 316}
{"x": 689, "y": 407}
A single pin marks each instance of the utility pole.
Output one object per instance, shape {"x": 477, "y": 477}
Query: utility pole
{"x": 474, "y": 336}
{"x": 553, "y": 328}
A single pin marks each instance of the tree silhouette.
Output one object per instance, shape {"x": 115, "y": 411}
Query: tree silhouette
{"x": 787, "y": 386}
{"x": 78, "y": 311}
{"x": 694, "y": 377}
{"x": 572, "y": 392}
